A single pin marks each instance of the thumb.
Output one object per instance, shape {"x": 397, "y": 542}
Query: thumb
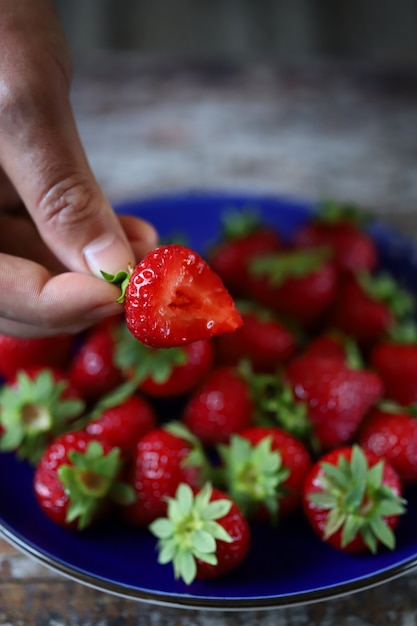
{"x": 41, "y": 152}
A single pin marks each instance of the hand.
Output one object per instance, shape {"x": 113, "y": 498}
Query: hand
{"x": 57, "y": 230}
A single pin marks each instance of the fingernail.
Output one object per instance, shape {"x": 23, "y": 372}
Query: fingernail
{"x": 107, "y": 253}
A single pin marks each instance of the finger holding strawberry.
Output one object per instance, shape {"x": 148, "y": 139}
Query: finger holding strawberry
{"x": 172, "y": 297}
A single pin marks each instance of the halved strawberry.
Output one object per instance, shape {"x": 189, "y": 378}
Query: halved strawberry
{"x": 173, "y": 297}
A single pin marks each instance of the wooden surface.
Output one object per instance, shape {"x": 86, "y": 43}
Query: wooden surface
{"x": 348, "y": 133}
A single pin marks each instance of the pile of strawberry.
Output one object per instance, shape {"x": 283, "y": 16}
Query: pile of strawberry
{"x": 273, "y": 378}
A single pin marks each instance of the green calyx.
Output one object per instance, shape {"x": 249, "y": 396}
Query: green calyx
{"x": 121, "y": 279}
{"x": 197, "y": 456}
{"x": 384, "y": 288}
{"x": 404, "y": 332}
{"x": 91, "y": 479}
{"x": 190, "y": 531}
{"x": 333, "y": 212}
{"x": 32, "y": 411}
{"x": 275, "y": 404}
{"x": 140, "y": 362}
{"x": 281, "y": 266}
{"x": 237, "y": 223}
{"x": 253, "y": 474}
{"x": 357, "y": 500}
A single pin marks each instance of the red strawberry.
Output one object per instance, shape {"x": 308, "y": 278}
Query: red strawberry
{"x": 264, "y": 340}
{"x": 352, "y": 499}
{"x": 36, "y": 407}
{"x": 93, "y": 370}
{"x": 164, "y": 458}
{"x": 122, "y": 419}
{"x": 221, "y": 406}
{"x": 163, "y": 373}
{"x": 17, "y": 353}
{"x": 244, "y": 236}
{"x": 337, "y": 396}
{"x": 204, "y": 535}
{"x": 396, "y": 363}
{"x": 390, "y": 431}
{"x": 299, "y": 284}
{"x": 76, "y": 480}
{"x": 341, "y": 227}
{"x": 264, "y": 471}
{"x": 173, "y": 298}
{"x": 369, "y": 305}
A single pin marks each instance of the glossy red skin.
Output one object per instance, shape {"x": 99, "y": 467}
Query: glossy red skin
{"x": 123, "y": 425}
{"x": 353, "y": 249}
{"x": 92, "y": 368}
{"x": 20, "y": 353}
{"x": 156, "y": 472}
{"x": 266, "y": 343}
{"x": 49, "y": 491}
{"x": 294, "y": 456}
{"x": 326, "y": 345}
{"x": 396, "y": 363}
{"x": 357, "y": 314}
{"x": 392, "y": 436}
{"x": 337, "y": 397}
{"x": 174, "y": 298}
{"x": 305, "y": 300}
{"x": 220, "y": 407}
{"x": 184, "y": 378}
{"x": 229, "y": 555}
{"x": 230, "y": 259}
{"x": 318, "y": 517}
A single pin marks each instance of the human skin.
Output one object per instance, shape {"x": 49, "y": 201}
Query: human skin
{"x": 57, "y": 229}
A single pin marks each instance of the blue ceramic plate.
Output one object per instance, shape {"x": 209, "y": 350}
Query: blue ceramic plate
{"x": 286, "y": 567}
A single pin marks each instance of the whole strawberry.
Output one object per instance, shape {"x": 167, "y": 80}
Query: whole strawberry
{"x": 390, "y": 431}
{"x": 204, "y": 534}
{"x": 243, "y": 236}
{"x": 264, "y": 469}
{"x": 342, "y": 228}
{"x": 35, "y": 407}
{"x": 368, "y": 306}
{"x": 173, "y": 297}
{"x": 298, "y": 284}
{"x": 352, "y": 500}
{"x": 395, "y": 360}
{"x": 121, "y": 419}
{"x": 163, "y": 373}
{"x": 337, "y": 396}
{"x": 77, "y": 480}
{"x": 18, "y": 353}
{"x": 221, "y": 406}
{"x": 164, "y": 458}
{"x": 93, "y": 369}
{"x": 262, "y": 339}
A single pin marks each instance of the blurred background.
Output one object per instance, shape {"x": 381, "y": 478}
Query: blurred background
{"x": 381, "y": 31}
{"x": 307, "y": 98}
